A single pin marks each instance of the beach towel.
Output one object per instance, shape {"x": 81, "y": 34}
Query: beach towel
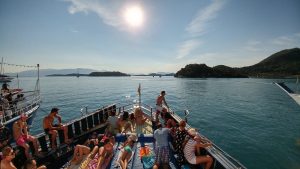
{"x": 147, "y": 157}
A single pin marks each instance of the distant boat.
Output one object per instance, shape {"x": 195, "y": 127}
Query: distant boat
{"x": 77, "y": 73}
{"x": 15, "y": 101}
{"x": 290, "y": 92}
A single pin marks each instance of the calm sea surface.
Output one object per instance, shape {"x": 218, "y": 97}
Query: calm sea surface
{"x": 251, "y": 119}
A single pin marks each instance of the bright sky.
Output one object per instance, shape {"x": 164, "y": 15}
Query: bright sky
{"x": 136, "y": 36}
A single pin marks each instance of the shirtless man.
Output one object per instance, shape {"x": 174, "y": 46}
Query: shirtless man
{"x": 21, "y": 135}
{"x": 159, "y": 104}
{"x": 8, "y": 156}
{"x": 50, "y": 128}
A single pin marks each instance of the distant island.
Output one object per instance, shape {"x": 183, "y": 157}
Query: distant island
{"x": 106, "y": 74}
{"x": 283, "y": 64}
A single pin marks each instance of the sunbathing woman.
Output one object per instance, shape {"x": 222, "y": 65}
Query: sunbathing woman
{"x": 100, "y": 158}
{"x": 81, "y": 150}
{"x": 126, "y": 151}
{"x": 105, "y": 153}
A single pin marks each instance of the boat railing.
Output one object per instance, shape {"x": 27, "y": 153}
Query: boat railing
{"x": 26, "y": 103}
{"x": 224, "y": 158}
{"x": 147, "y": 109}
{"x": 77, "y": 129}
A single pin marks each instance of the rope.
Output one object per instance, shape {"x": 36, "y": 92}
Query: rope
{"x": 9, "y": 64}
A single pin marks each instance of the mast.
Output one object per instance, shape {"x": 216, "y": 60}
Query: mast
{"x": 37, "y": 85}
{"x": 1, "y": 66}
{"x": 139, "y": 93}
{"x": 297, "y": 84}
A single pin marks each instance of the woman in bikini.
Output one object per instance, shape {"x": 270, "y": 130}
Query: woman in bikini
{"x": 126, "y": 151}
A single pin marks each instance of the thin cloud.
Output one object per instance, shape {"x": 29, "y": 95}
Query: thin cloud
{"x": 74, "y": 31}
{"x": 199, "y": 24}
{"x": 197, "y": 27}
{"x": 107, "y": 16}
{"x": 187, "y": 47}
{"x": 283, "y": 40}
{"x": 297, "y": 35}
{"x": 253, "y": 46}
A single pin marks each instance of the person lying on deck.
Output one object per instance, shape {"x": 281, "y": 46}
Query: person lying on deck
{"x": 192, "y": 147}
{"x": 51, "y": 128}
{"x": 101, "y": 155}
{"x": 81, "y": 150}
{"x": 126, "y": 151}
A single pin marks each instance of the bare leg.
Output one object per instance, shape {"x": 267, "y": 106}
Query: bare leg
{"x": 205, "y": 159}
{"x": 26, "y": 147}
{"x": 65, "y": 128}
{"x": 53, "y": 138}
{"x": 35, "y": 144}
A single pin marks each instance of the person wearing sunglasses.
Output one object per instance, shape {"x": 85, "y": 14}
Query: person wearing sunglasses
{"x": 8, "y": 155}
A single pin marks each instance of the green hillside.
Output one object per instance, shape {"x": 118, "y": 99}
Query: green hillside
{"x": 281, "y": 64}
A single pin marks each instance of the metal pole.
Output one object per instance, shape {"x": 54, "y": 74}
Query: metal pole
{"x": 139, "y": 92}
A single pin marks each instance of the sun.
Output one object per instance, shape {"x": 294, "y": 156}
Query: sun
{"x": 134, "y": 16}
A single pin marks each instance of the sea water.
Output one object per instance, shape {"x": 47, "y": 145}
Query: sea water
{"x": 253, "y": 120}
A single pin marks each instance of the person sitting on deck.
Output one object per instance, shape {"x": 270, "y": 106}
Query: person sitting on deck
{"x": 31, "y": 164}
{"x": 160, "y": 101}
{"x": 8, "y": 155}
{"x": 21, "y": 136}
{"x": 5, "y": 136}
{"x": 140, "y": 120}
{"x": 192, "y": 147}
{"x": 4, "y": 89}
{"x": 124, "y": 124}
{"x": 112, "y": 122}
{"x": 126, "y": 151}
{"x": 50, "y": 128}
{"x": 161, "y": 147}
